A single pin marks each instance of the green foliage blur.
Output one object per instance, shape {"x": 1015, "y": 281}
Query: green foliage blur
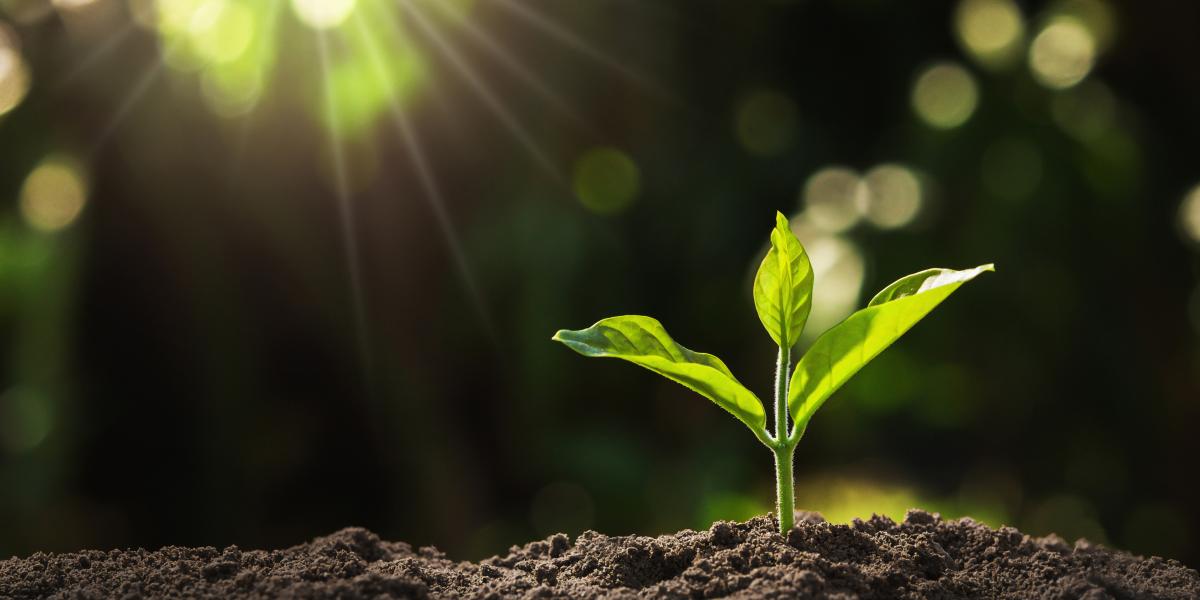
{"x": 270, "y": 272}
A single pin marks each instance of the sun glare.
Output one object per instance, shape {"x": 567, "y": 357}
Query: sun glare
{"x": 323, "y": 14}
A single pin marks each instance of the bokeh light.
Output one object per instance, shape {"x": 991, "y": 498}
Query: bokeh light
{"x": 1189, "y": 214}
{"x": 1062, "y": 54}
{"x": 14, "y": 74}
{"x": 323, "y": 14}
{"x": 991, "y": 31}
{"x": 606, "y": 180}
{"x": 832, "y": 198}
{"x": 1096, "y": 15}
{"x": 374, "y": 71}
{"x": 232, "y": 44}
{"x": 838, "y": 272}
{"x": 945, "y": 95}
{"x": 54, "y": 195}
{"x": 894, "y": 196}
{"x": 70, "y": 5}
{"x": 765, "y": 122}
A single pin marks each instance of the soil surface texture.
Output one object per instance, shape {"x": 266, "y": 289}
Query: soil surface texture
{"x": 923, "y": 557}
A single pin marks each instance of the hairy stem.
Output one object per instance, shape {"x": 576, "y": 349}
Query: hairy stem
{"x": 781, "y": 389}
{"x": 785, "y": 498}
{"x": 785, "y": 503}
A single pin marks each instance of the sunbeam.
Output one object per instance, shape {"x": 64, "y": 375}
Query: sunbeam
{"x": 139, "y": 89}
{"x": 489, "y": 98}
{"x": 346, "y": 216}
{"x": 99, "y": 53}
{"x": 572, "y": 40}
{"x": 514, "y": 65}
{"x": 428, "y": 183}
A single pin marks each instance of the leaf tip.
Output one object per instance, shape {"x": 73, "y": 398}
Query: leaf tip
{"x": 782, "y": 222}
{"x": 557, "y": 337}
{"x": 988, "y": 267}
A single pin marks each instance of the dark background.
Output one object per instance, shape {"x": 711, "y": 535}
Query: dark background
{"x": 229, "y": 346}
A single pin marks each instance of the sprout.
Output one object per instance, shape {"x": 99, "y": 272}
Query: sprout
{"x": 783, "y": 298}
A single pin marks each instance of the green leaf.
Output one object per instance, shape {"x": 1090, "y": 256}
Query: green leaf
{"x": 783, "y": 286}
{"x": 643, "y": 341}
{"x": 840, "y": 352}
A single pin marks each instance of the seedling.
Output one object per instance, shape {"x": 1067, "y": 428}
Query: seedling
{"x": 783, "y": 299}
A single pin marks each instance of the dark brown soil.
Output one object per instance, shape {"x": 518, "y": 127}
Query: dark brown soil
{"x": 923, "y": 557}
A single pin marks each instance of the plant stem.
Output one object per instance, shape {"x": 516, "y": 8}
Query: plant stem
{"x": 785, "y": 504}
{"x": 785, "y": 498}
{"x": 781, "y": 389}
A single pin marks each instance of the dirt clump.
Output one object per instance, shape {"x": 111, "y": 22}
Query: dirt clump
{"x": 922, "y": 557}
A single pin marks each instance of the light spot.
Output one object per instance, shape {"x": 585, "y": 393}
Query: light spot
{"x": 893, "y": 197}
{"x": 1189, "y": 214}
{"x": 70, "y": 5}
{"x": 841, "y": 499}
{"x": 945, "y": 95}
{"x": 323, "y": 14}
{"x": 1062, "y": 54}
{"x": 53, "y": 195}
{"x": 232, "y": 92}
{"x": 606, "y": 180}
{"x": 1096, "y": 15}
{"x": 765, "y": 122}
{"x": 1011, "y": 168}
{"x": 833, "y": 197}
{"x": 14, "y": 73}
{"x": 990, "y": 30}
{"x": 838, "y": 272}
{"x": 222, "y": 31}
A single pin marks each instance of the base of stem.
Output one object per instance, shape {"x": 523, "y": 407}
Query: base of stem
{"x": 785, "y": 504}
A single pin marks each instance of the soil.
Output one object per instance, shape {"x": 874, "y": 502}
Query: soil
{"x": 923, "y": 557}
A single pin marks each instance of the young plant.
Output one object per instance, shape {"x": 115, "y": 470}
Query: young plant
{"x": 783, "y": 298}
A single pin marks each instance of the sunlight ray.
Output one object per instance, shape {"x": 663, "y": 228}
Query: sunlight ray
{"x": 144, "y": 81}
{"x": 515, "y": 66}
{"x": 274, "y": 14}
{"x": 428, "y": 183}
{"x": 573, "y": 41}
{"x": 489, "y": 98}
{"x": 346, "y": 214}
{"x": 98, "y": 53}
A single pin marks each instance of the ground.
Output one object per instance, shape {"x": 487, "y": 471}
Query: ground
{"x": 922, "y": 557}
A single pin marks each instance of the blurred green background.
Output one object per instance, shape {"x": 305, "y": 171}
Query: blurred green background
{"x": 269, "y": 268}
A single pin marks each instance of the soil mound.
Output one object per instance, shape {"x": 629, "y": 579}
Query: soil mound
{"x": 923, "y": 557}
